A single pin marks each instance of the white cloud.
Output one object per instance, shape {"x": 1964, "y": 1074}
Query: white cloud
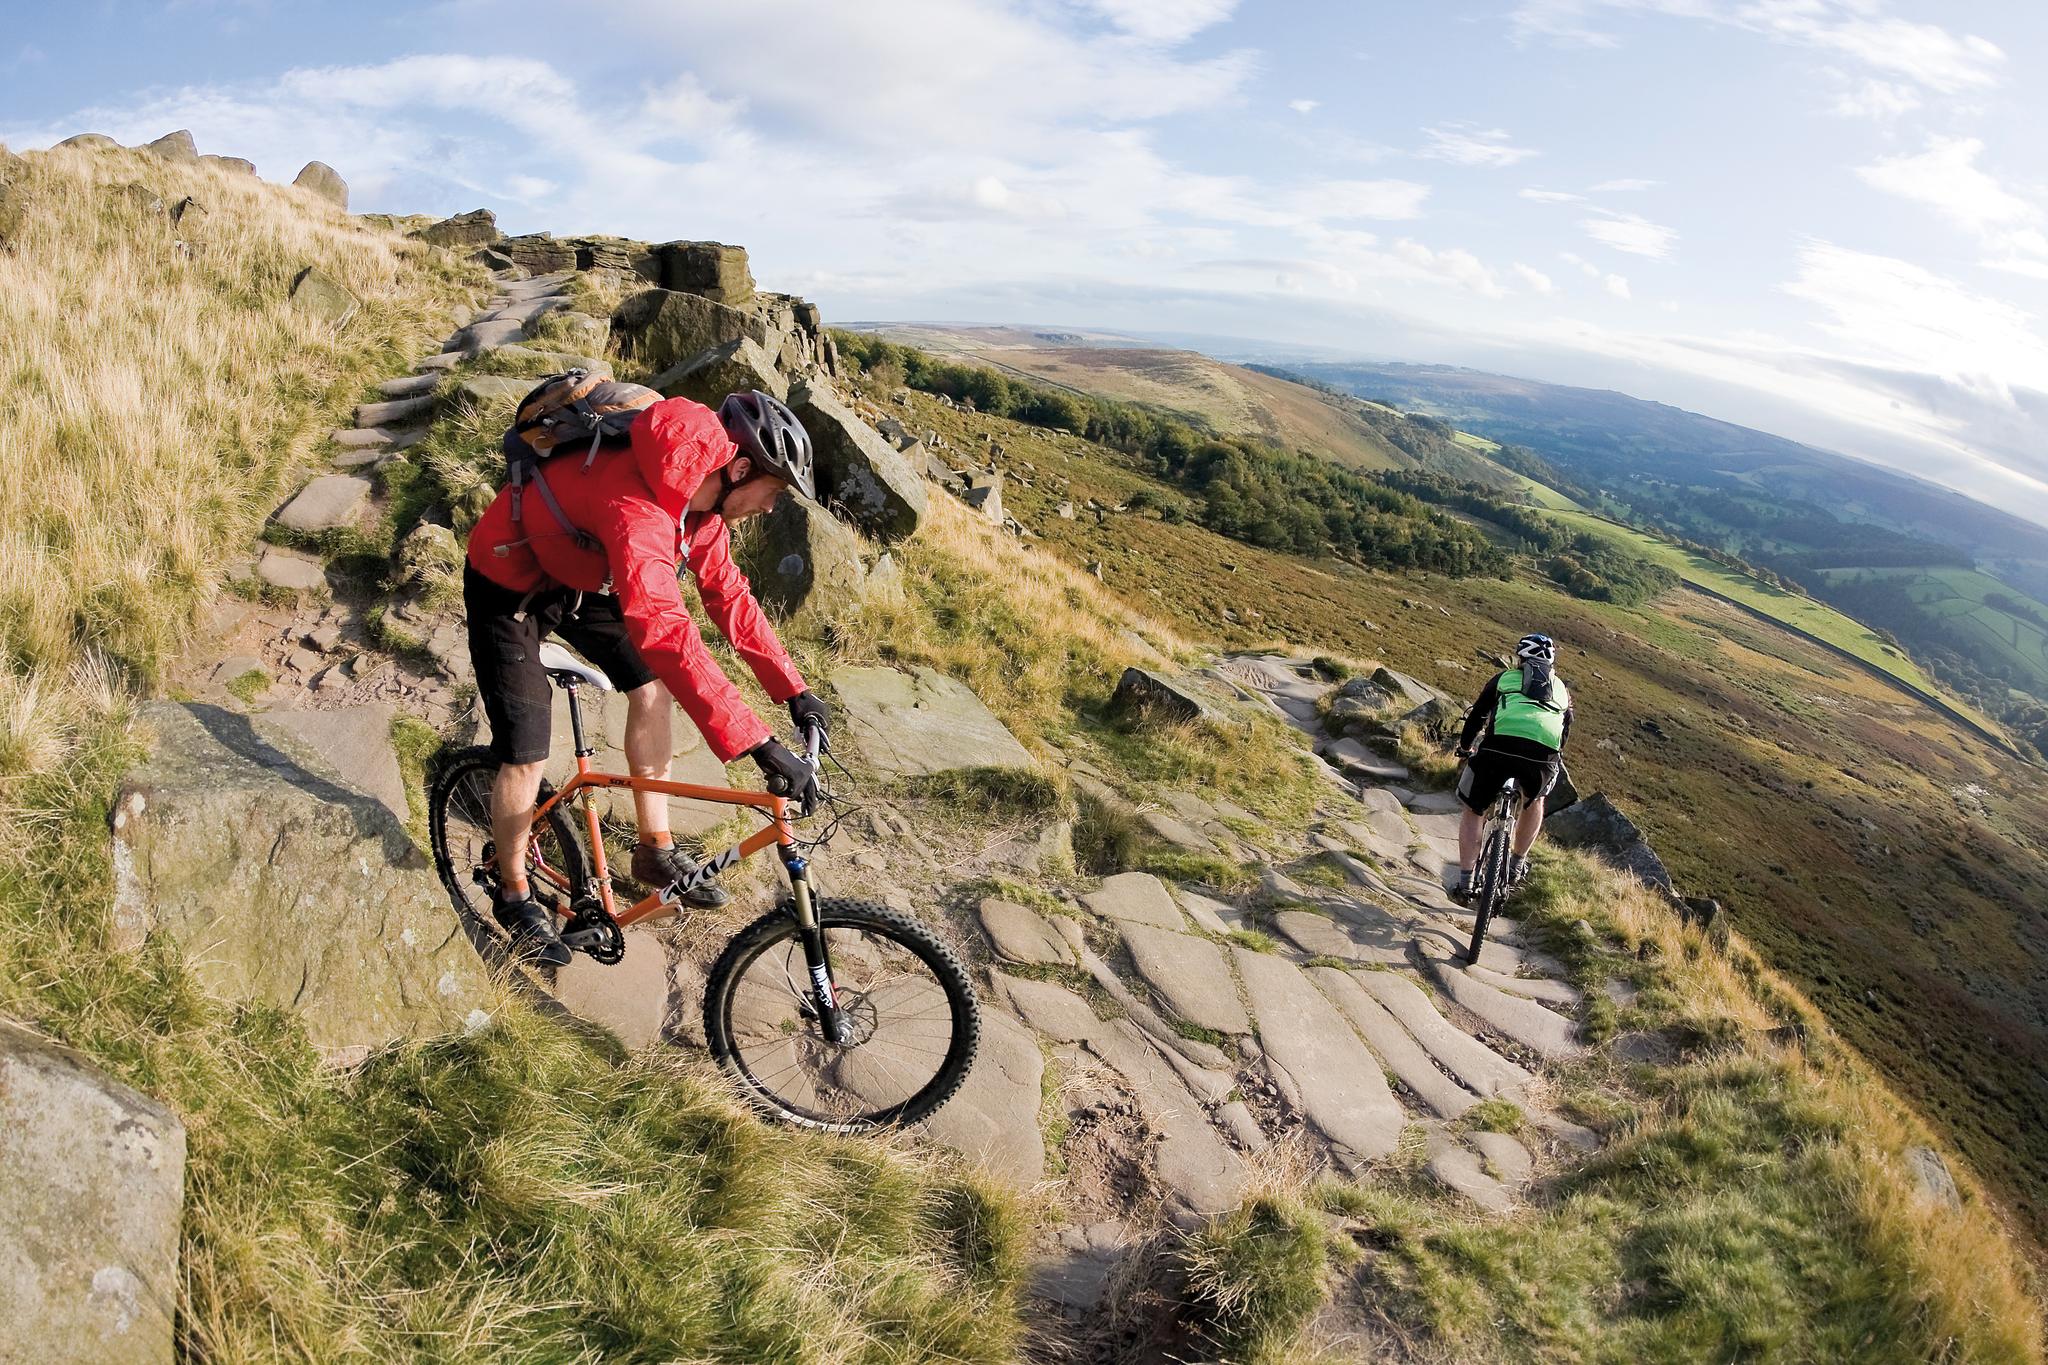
{"x": 1631, "y": 233}
{"x": 1873, "y": 98}
{"x": 1456, "y": 266}
{"x": 1534, "y": 278}
{"x": 1553, "y": 196}
{"x": 1617, "y": 285}
{"x": 1340, "y": 200}
{"x": 1624, "y": 186}
{"x": 1945, "y": 178}
{"x": 1163, "y": 21}
{"x": 1468, "y": 146}
{"x": 1304, "y": 106}
{"x": 1901, "y": 54}
{"x": 1896, "y": 313}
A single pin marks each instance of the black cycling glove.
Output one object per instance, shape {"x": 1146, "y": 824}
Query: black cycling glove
{"x": 807, "y": 709}
{"x": 788, "y": 774}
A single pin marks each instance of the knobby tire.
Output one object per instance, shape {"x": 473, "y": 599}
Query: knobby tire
{"x": 479, "y": 765}
{"x": 780, "y": 925}
{"x": 1493, "y": 866}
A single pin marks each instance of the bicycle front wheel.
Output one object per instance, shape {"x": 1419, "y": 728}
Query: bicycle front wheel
{"x": 1493, "y": 887}
{"x": 911, "y": 1023}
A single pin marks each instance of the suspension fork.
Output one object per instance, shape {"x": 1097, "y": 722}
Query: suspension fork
{"x": 817, "y": 954}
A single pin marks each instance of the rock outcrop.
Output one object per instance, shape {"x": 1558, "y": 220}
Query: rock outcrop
{"x": 801, "y": 558}
{"x": 1140, "y": 692}
{"x": 858, "y": 472}
{"x": 92, "y": 1190}
{"x": 1596, "y": 823}
{"x": 283, "y": 882}
{"x": 664, "y": 328}
{"x": 322, "y": 297}
{"x": 734, "y": 367}
{"x": 323, "y": 180}
{"x": 478, "y": 227}
{"x": 711, "y": 270}
{"x": 176, "y": 146}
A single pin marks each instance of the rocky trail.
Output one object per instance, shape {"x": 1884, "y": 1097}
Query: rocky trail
{"x": 1148, "y": 1047}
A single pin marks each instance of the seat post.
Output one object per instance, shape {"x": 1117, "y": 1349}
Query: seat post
{"x": 583, "y": 750}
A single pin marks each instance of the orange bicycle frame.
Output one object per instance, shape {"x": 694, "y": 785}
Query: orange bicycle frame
{"x": 776, "y": 831}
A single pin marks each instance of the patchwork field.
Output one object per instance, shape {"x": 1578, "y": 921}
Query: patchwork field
{"x": 1958, "y": 596}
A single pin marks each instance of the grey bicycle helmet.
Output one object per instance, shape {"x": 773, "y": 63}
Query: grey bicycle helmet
{"x": 1538, "y": 647}
{"x": 765, "y": 430}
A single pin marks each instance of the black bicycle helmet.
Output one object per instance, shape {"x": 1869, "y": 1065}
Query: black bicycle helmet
{"x": 764, "y": 428}
{"x": 1539, "y": 647}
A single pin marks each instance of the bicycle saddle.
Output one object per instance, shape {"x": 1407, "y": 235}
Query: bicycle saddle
{"x": 565, "y": 667}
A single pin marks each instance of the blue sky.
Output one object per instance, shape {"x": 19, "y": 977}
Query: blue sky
{"x": 1828, "y": 218}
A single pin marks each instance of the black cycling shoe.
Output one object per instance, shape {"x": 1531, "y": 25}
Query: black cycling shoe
{"x": 1518, "y": 871}
{"x": 532, "y": 926}
{"x": 1461, "y": 889}
{"x": 655, "y": 868}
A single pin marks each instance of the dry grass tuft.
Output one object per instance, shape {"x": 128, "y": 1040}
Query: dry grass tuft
{"x": 160, "y": 393}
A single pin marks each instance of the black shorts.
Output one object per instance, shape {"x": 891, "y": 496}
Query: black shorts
{"x": 1489, "y": 769}
{"x": 505, "y": 648}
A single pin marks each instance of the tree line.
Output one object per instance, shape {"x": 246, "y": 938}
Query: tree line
{"x": 1242, "y": 487}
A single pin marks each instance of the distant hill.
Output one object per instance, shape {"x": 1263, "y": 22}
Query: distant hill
{"x": 1231, "y": 399}
{"x": 1654, "y": 458}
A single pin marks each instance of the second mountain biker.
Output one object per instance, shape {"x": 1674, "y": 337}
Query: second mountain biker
{"x": 1525, "y": 713}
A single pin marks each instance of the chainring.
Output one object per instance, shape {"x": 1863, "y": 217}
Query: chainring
{"x": 592, "y": 930}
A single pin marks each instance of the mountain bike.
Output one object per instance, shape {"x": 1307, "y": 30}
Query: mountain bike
{"x": 840, "y": 1015}
{"x": 1490, "y": 879}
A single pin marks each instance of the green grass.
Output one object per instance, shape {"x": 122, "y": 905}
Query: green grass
{"x": 1208, "y": 869}
{"x": 1257, "y": 940}
{"x": 1256, "y": 1276}
{"x": 247, "y": 687}
{"x": 992, "y": 793}
{"x": 415, "y": 743}
{"x": 1495, "y": 1116}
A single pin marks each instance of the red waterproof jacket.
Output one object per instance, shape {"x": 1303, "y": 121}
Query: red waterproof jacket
{"x": 634, "y": 501}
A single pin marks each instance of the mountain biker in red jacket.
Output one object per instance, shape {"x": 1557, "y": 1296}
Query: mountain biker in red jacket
{"x": 644, "y": 512}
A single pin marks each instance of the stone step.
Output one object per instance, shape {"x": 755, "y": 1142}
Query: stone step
{"x": 328, "y": 501}
{"x": 1478, "y": 1067}
{"x": 412, "y": 386}
{"x": 1199, "y": 1169}
{"x": 357, "y": 438}
{"x": 1384, "y": 1034}
{"x": 446, "y": 360}
{"x": 289, "y": 569}
{"x": 1190, "y": 975}
{"x": 524, "y": 310}
{"x": 1459, "y": 1169}
{"x": 1532, "y": 988}
{"x": 394, "y": 410}
{"x": 477, "y": 338}
{"x": 383, "y": 440}
{"x": 1309, "y": 1049}
{"x": 1549, "y": 1035}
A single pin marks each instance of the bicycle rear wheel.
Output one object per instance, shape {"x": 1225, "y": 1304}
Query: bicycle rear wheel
{"x": 914, "y": 1024}
{"x": 459, "y": 828}
{"x": 1493, "y": 886}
